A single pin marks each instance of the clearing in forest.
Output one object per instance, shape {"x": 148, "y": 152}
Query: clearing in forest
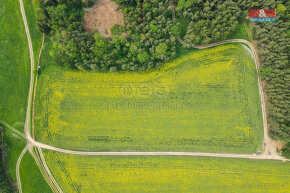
{"x": 102, "y": 17}
{"x": 205, "y": 101}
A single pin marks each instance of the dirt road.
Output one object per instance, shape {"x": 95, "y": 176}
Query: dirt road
{"x": 269, "y": 149}
{"x": 27, "y": 125}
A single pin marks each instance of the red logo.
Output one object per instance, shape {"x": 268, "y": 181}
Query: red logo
{"x": 262, "y": 13}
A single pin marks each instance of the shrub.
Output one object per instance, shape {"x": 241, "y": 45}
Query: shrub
{"x": 265, "y": 72}
{"x": 117, "y": 30}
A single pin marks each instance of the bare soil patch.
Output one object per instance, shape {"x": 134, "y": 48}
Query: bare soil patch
{"x": 102, "y": 16}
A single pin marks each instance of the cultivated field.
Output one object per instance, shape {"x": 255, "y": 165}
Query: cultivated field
{"x": 166, "y": 174}
{"x": 207, "y": 101}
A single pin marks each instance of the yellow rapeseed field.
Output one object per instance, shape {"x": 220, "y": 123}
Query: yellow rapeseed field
{"x": 168, "y": 174}
{"x": 207, "y": 100}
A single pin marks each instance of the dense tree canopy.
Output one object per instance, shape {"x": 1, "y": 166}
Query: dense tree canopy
{"x": 148, "y": 30}
{"x": 273, "y": 43}
{"x": 210, "y": 20}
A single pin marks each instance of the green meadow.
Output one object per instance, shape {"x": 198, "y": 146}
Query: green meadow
{"x": 14, "y": 85}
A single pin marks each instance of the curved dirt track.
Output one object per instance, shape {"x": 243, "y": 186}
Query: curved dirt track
{"x": 18, "y": 168}
{"x": 268, "y": 154}
{"x": 269, "y": 144}
{"x": 27, "y": 125}
{"x": 28, "y": 112}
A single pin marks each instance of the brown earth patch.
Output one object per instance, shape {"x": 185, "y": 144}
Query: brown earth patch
{"x": 102, "y": 16}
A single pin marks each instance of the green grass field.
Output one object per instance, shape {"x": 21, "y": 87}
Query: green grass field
{"x": 240, "y": 33}
{"x": 14, "y": 85}
{"x": 31, "y": 179}
{"x": 14, "y": 64}
{"x": 204, "y": 101}
{"x": 166, "y": 174}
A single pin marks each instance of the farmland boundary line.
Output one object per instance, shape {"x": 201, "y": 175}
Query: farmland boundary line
{"x": 270, "y": 154}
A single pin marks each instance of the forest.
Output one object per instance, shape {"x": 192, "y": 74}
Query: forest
{"x": 273, "y": 44}
{"x": 150, "y": 30}
{"x": 149, "y": 41}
